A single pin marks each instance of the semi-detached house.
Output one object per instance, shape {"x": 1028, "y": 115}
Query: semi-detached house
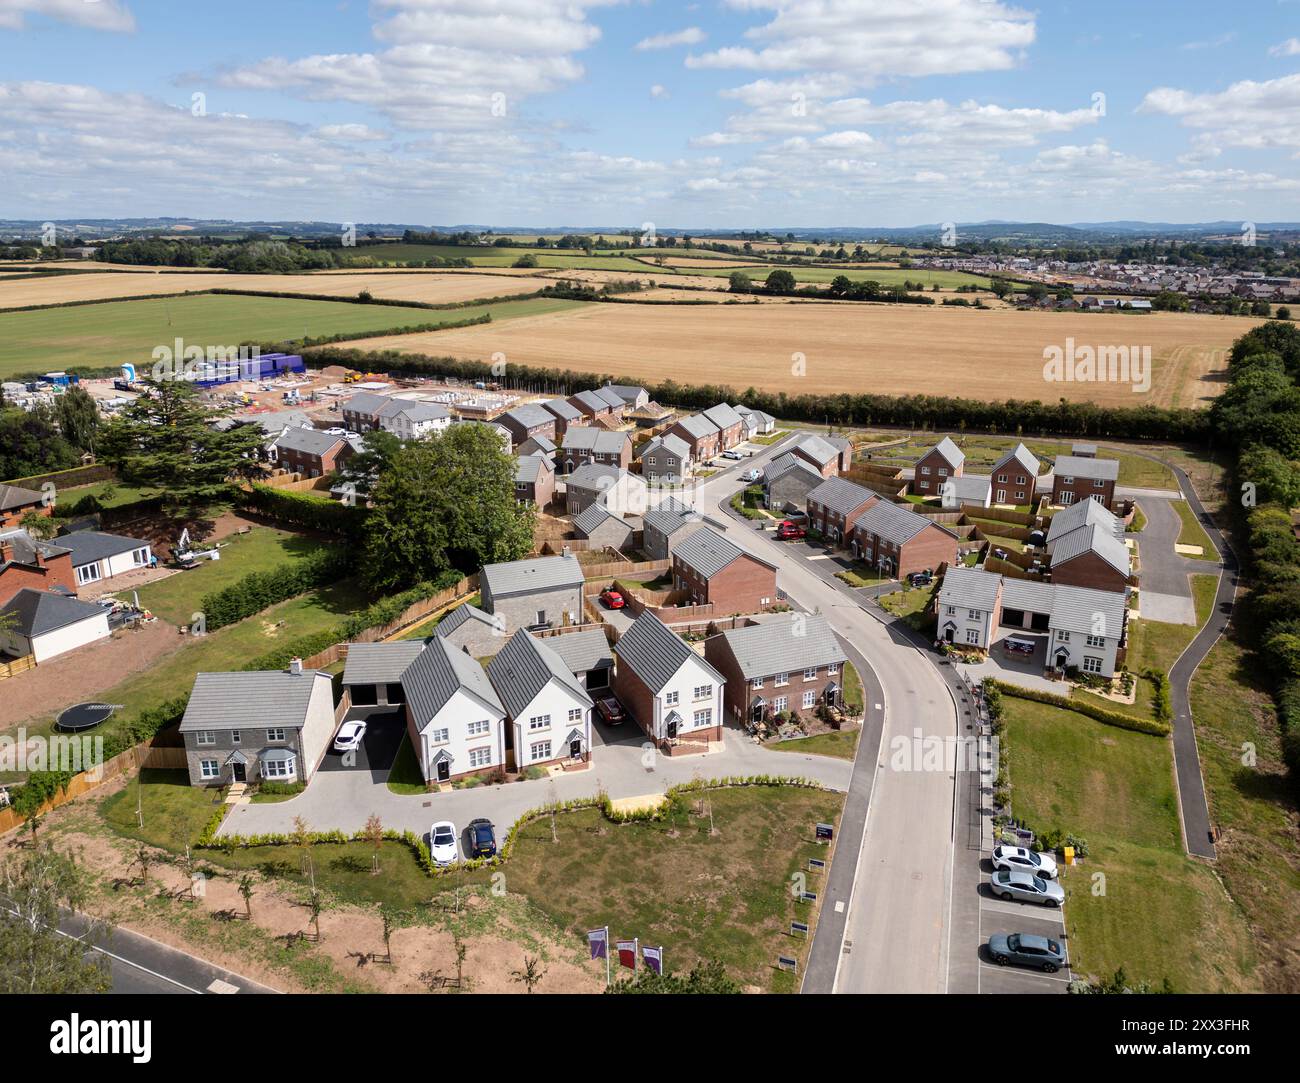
{"x": 715, "y": 571}
{"x": 899, "y": 542}
{"x": 835, "y": 505}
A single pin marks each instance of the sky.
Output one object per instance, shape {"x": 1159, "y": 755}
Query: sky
{"x": 685, "y": 115}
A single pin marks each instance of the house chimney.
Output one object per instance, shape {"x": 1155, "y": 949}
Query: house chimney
{"x": 565, "y": 551}
{"x": 295, "y": 666}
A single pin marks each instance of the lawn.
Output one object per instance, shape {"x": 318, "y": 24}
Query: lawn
{"x": 861, "y": 575}
{"x": 116, "y": 331}
{"x": 110, "y": 494}
{"x": 404, "y": 776}
{"x": 1157, "y": 913}
{"x": 262, "y": 549}
{"x": 909, "y": 603}
{"x": 842, "y": 744}
{"x": 1193, "y": 533}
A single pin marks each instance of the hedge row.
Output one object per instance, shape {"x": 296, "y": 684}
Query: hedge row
{"x": 303, "y": 510}
{"x": 937, "y": 412}
{"x": 1155, "y": 727}
{"x": 261, "y": 590}
{"x": 348, "y": 336}
{"x": 393, "y": 302}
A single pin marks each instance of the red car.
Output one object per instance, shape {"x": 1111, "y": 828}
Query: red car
{"x": 609, "y": 709}
{"x": 612, "y": 599}
{"x": 788, "y": 530}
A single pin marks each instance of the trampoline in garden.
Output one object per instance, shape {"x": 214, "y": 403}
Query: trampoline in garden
{"x": 83, "y": 716}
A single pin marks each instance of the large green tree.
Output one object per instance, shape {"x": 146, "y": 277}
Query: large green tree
{"x": 31, "y": 443}
{"x": 78, "y": 419}
{"x": 39, "y": 883}
{"x": 442, "y": 503}
{"x": 166, "y": 440}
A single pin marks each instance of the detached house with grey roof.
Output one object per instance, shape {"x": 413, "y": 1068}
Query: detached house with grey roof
{"x": 469, "y": 628}
{"x": 634, "y": 398}
{"x": 585, "y": 444}
{"x": 715, "y": 571}
{"x": 596, "y": 406}
{"x": 673, "y": 694}
{"x": 819, "y": 453}
{"x": 528, "y": 419}
{"x": 1076, "y": 478}
{"x": 778, "y": 666}
{"x": 15, "y": 502}
{"x": 730, "y": 425}
{"x": 699, "y": 434}
{"x": 534, "y": 480}
{"x": 361, "y": 411}
{"x": 313, "y": 453}
{"x": 787, "y": 481}
{"x": 943, "y": 461}
{"x": 602, "y": 528}
{"x": 1015, "y": 477}
{"x": 565, "y": 414}
{"x": 667, "y": 525}
{"x": 454, "y": 717}
{"x": 255, "y": 726}
{"x": 594, "y": 483}
{"x": 96, "y": 556}
{"x": 548, "y": 711}
{"x": 834, "y": 506}
{"x": 539, "y": 592}
{"x": 410, "y": 419}
{"x": 1087, "y": 549}
{"x": 48, "y": 623}
{"x": 666, "y": 459}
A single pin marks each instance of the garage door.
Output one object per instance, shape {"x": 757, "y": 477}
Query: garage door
{"x": 364, "y": 695}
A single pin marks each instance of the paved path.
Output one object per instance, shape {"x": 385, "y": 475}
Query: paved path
{"x": 1166, "y": 589}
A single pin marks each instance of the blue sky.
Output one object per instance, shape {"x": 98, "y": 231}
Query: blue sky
{"x": 718, "y": 113}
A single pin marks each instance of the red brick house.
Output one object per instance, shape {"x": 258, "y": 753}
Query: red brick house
{"x": 1076, "y": 478}
{"x": 597, "y": 404}
{"x": 943, "y": 461}
{"x": 713, "y": 570}
{"x": 702, "y": 436}
{"x": 15, "y": 502}
{"x": 730, "y": 425}
{"x": 28, "y": 562}
{"x": 834, "y": 506}
{"x": 1015, "y": 477}
{"x": 819, "y": 453}
{"x": 534, "y": 480}
{"x": 900, "y": 542}
{"x": 526, "y": 420}
{"x": 312, "y": 453}
{"x": 1086, "y": 545}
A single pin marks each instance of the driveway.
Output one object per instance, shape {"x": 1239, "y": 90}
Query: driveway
{"x": 1166, "y": 590}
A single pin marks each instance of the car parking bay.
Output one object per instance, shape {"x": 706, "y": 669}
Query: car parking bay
{"x": 998, "y": 916}
{"x": 385, "y": 727}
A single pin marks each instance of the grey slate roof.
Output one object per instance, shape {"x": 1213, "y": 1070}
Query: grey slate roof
{"x": 587, "y": 438}
{"x": 415, "y": 410}
{"x": 88, "y": 546}
{"x": 462, "y": 615}
{"x": 308, "y": 441}
{"x": 821, "y": 451}
{"x": 526, "y": 576}
{"x": 379, "y": 663}
{"x": 1080, "y": 609}
{"x": 525, "y": 666}
{"x": 1083, "y": 449}
{"x": 246, "y": 699}
{"x": 528, "y": 467}
{"x": 582, "y": 651}
{"x": 1031, "y": 594}
{"x": 537, "y": 444}
{"x": 1023, "y": 456}
{"x": 783, "y": 464}
{"x": 592, "y": 518}
{"x": 15, "y": 496}
{"x": 36, "y": 612}
{"x": 610, "y": 397}
{"x": 1083, "y": 513}
{"x": 437, "y": 674}
{"x": 723, "y": 416}
{"x": 893, "y": 523}
{"x": 784, "y": 646}
{"x": 950, "y": 451}
{"x": 697, "y": 426}
{"x": 592, "y": 401}
{"x": 1075, "y": 467}
{"x": 628, "y": 392}
{"x": 367, "y": 402}
{"x": 669, "y": 515}
{"x": 707, "y": 552}
{"x": 969, "y": 588}
{"x": 970, "y": 488}
{"x": 840, "y": 495}
{"x": 596, "y": 477}
{"x": 563, "y": 409}
{"x": 671, "y": 443}
{"x": 529, "y": 415}
{"x": 652, "y": 652}
{"x": 1092, "y": 539}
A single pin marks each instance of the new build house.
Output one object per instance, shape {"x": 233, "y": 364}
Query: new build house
{"x": 96, "y": 555}
{"x": 47, "y": 623}
{"x": 669, "y": 690}
{"x": 666, "y": 459}
{"x": 602, "y": 528}
{"x": 943, "y": 461}
{"x": 254, "y": 726}
{"x": 787, "y": 481}
{"x": 730, "y": 425}
{"x": 412, "y": 420}
{"x": 534, "y": 480}
{"x": 588, "y": 656}
{"x": 1076, "y": 478}
{"x": 715, "y": 571}
{"x": 565, "y": 414}
{"x": 539, "y": 592}
{"x": 548, "y": 712}
{"x": 526, "y": 420}
{"x": 819, "y": 453}
{"x": 834, "y": 506}
{"x": 634, "y": 398}
{"x": 778, "y": 666}
{"x": 699, "y": 434}
{"x": 621, "y": 492}
{"x": 361, "y": 412}
{"x": 666, "y": 526}
{"x": 454, "y": 717}
{"x": 585, "y": 444}
{"x": 1083, "y": 628}
{"x": 1087, "y": 549}
{"x": 313, "y": 453}
{"x": 899, "y": 542}
{"x": 469, "y": 628}
{"x": 1015, "y": 477}
{"x": 757, "y": 422}
{"x": 598, "y": 403}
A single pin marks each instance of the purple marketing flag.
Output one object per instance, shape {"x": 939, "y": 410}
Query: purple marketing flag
{"x": 598, "y": 941}
{"x": 654, "y": 959}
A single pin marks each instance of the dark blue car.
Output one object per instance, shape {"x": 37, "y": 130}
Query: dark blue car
{"x": 482, "y": 839}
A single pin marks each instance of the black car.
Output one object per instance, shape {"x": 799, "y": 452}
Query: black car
{"x": 920, "y": 579}
{"x": 482, "y": 839}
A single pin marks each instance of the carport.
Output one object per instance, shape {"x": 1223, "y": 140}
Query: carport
{"x": 373, "y": 673}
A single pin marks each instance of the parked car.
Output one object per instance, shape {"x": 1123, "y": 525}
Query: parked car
{"x": 349, "y": 736}
{"x": 788, "y": 530}
{"x": 482, "y": 839}
{"x": 612, "y": 599}
{"x": 1028, "y": 950}
{"x": 442, "y": 843}
{"x": 732, "y": 453}
{"x": 1019, "y": 857}
{"x": 609, "y": 709}
{"x": 1026, "y": 887}
{"x": 752, "y": 474}
{"x": 920, "y": 579}
{"x": 336, "y": 431}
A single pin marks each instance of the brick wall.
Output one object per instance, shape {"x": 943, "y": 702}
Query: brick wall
{"x": 1089, "y": 570}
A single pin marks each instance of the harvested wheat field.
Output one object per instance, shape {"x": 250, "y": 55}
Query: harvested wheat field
{"x": 891, "y": 349}
{"x": 432, "y": 288}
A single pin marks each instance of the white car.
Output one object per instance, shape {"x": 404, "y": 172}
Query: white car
{"x": 336, "y": 432}
{"x": 442, "y": 843}
{"x": 349, "y": 736}
{"x": 753, "y": 474}
{"x": 732, "y": 454}
{"x": 1017, "y": 857}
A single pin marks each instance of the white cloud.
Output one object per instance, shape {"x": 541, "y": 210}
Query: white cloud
{"x": 692, "y": 35}
{"x": 1290, "y": 47}
{"x": 659, "y": 91}
{"x": 1249, "y": 114}
{"x": 98, "y": 15}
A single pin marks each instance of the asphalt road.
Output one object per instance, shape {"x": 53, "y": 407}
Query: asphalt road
{"x": 894, "y": 918}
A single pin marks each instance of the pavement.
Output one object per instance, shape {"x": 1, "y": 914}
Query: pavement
{"x": 1166, "y": 589}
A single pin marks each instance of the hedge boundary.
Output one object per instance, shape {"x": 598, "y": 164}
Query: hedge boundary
{"x": 1152, "y": 726}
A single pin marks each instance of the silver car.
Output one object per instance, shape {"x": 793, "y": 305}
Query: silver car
{"x": 1018, "y": 857}
{"x": 1026, "y": 887}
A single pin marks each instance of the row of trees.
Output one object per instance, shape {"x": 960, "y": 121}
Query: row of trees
{"x": 47, "y": 438}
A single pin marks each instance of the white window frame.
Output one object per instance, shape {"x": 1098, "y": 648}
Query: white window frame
{"x": 539, "y": 750}
{"x": 810, "y": 674}
{"x": 1094, "y": 641}
{"x": 1091, "y": 664}
{"x": 280, "y": 769}
{"x": 670, "y": 699}
{"x": 88, "y": 573}
{"x": 703, "y": 718}
{"x": 701, "y": 691}
{"x": 440, "y": 736}
{"x": 779, "y": 704}
{"x": 480, "y": 757}
{"x": 478, "y": 727}
{"x": 972, "y": 635}
{"x": 209, "y": 769}
{"x": 539, "y": 722}
{"x": 782, "y": 679}
{"x": 809, "y": 699}
{"x": 275, "y": 733}
{"x": 205, "y": 738}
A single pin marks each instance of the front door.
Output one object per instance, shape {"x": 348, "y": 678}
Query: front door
{"x": 444, "y": 770}
{"x": 240, "y": 772}
{"x": 575, "y": 748}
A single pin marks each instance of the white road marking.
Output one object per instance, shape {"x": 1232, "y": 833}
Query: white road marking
{"x": 219, "y": 986}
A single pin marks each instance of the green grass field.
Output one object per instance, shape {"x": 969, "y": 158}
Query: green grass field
{"x": 1192, "y": 533}
{"x": 263, "y": 549}
{"x": 116, "y": 331}
{"x": 1155, "y": 912}
{"x": 887, "y": 276}
{"x": 601, "y": 259}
